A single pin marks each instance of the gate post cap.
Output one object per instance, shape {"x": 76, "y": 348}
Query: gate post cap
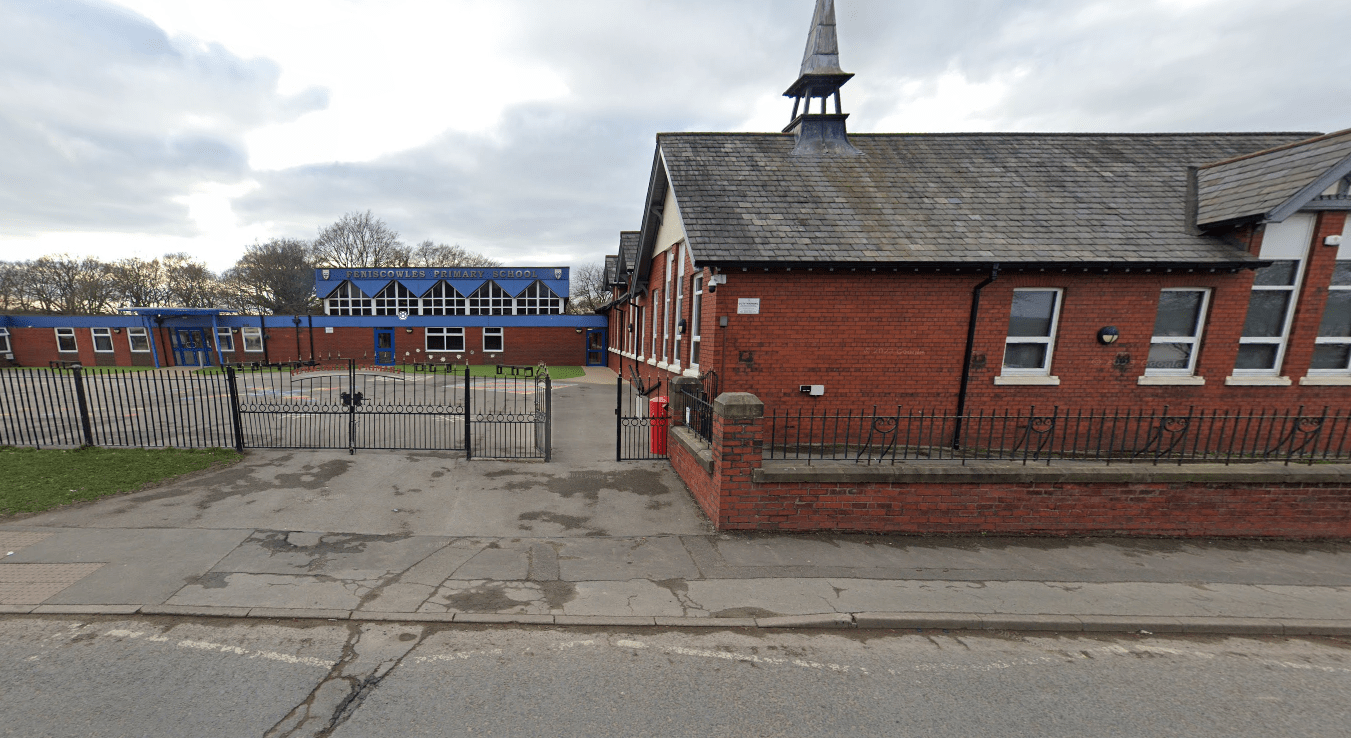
{"x": 741, "y": 405}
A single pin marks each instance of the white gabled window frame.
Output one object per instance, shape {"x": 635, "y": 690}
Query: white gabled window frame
{"x": 1286, "y": 245}
{"x": 65, "y": 341}
{"x": 1191, "y": 341}
{"x": 1332, "y": 347}
{"x": 5, "y": 347}
{"x": 1022, "y": 339}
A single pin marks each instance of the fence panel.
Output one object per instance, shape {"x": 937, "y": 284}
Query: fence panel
{"x": 1033, "y": 435}
{"x": 511, "y": 414}
{"x": 642, "y": 417}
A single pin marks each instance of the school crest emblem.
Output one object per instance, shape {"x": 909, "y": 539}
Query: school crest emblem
{"x": 558, "y": 274}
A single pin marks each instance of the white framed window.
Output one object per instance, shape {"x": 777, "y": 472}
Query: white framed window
{"x": 138, "y": 340}
{"x": 1033, "y": 320}
{"x": 103, "y": 340}
{"x": 253, "y": 338}
{"x": 1177, "y": 331}
{"x": 666, "y": 309}
{"x": 1271, "y": 307}
{"x": 5, "y": 348}
{"x": 655, "y": 321}
{"x": 679, "y": 302}
{"x": 696, "y": 305}
{"x": 538, "y": 299}
{"x": 489, "y": 299}
{"x": 65, "y": 341}
{"x": 348, "y": 299}
{"x": 394, "y": 299}
{"x": 226, "y": 339}
{"x": 445, "y": 339}
{"x": 492, "y": 340}
{"x": 443, "y": 299}
{"x": 1332, "y": 348}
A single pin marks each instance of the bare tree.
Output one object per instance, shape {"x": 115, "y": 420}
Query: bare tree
{"x": 588, "y": 288}
{"x": 190, "y": 282}
{"x": 62, "y": 285}
{"x": 139, "y": 282}
{"x": 13, "y": 275}
{"x": 429, "y": 254}
{"x": 276, "y": 277}
{"x": 359, "y": 240}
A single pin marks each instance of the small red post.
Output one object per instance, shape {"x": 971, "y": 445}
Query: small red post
{"x": 658, "y": 411}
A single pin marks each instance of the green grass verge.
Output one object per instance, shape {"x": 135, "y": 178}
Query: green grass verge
{"x": 37, "y": 480}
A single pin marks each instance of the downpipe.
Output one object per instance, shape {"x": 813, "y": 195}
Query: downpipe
{"x": 966, "y": 355}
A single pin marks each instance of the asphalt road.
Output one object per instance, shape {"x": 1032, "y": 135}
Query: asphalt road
{"x": 110, "y": 677}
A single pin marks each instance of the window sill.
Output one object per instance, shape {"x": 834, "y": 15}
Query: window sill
{"x": 652, "y": 362}
{"x": 1325, "y": 380}
{"x": 1027, "y": 380}
{"x": 1163, "y": 380}
{"x": 1257, "y": 380}
{"x": 692, "y": 371}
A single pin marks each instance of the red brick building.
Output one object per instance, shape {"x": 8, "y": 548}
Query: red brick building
{"x": 960, "y": 271}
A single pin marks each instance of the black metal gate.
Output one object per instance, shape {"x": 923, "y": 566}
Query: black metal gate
{"x": 430, "y": 408}
{"x": 642, "y": 417}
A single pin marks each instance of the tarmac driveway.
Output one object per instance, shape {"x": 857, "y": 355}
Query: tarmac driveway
{"x": 582, "y": 492}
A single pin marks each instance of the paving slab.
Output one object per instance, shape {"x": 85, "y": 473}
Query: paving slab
{"x": 273, "y": 590}
{"x": 653, "y": 558}
{"x": 144, "y": 566}
{"x": 338, "y": 555}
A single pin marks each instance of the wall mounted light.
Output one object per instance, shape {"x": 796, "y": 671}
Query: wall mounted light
{"x": 407, "y": 330}
{"x": 117, "y": 330}
{"x": 1108, "y": 335}
{"x": 579, "y": 330}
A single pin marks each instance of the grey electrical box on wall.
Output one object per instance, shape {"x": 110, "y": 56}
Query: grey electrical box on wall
{"x": 815, "y": 390}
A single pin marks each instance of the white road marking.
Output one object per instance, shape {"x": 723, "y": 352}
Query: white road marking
{"x": 269, "y": 655}
{"x": 457, "y": 656}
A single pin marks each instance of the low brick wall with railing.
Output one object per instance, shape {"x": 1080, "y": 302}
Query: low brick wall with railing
{"x": 1187, "y": 492}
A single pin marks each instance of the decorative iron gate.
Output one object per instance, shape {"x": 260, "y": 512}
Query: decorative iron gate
{"x": 642, "y": 417}
{"x": 430, "y": 408}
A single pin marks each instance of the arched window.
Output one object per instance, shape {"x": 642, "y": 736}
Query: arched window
{"x": 490, "y": 300}
{"x": 538, "y": 299}
{"x": 394, "y": 298}
{"x": 348, "y": 299}
{"x": 442, "y": 299}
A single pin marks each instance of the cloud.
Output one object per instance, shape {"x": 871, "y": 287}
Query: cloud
{"x": 107, "y": 123}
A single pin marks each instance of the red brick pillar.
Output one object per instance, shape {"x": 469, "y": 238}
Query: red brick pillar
{"x": 737, "y": 448}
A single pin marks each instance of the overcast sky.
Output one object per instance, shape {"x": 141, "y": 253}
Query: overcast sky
{"x": 525, "y": 129}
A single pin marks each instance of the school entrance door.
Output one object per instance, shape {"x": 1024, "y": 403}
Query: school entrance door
{"x": 595, "y": 347}
{"x": 384, "y": 347}
{"x": 190, "y": 347}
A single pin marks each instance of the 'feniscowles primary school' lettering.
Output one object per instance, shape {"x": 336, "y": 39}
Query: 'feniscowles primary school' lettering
{"x": 441, "y": 274}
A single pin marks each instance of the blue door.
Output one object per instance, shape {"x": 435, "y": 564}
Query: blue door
{"x": 595, "y": 347}
{"x": 384, "y": 347}
{"x": 190, "y": 347}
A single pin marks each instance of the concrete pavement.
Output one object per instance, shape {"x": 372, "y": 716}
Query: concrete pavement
{"x": 587, "y": 540}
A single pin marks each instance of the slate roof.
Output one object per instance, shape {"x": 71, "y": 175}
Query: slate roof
{"x": 1260, "y": 182}
{"x": 628, "y": 252}
{"x": 611, "y": 269}
{"x": 950, "y": 198}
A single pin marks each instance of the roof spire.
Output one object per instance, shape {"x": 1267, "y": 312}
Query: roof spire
{"x": 823, "y": 48}
{"x": 820, "y": 78}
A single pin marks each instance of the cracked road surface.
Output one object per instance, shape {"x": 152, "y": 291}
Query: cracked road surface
{"x": 218, "y": 677}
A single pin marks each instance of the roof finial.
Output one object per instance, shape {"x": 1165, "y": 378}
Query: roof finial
{"x": 820, "y": 78}
{"x": 823, "y": 48}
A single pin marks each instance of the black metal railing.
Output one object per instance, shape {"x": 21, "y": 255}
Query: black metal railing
{"x": 312, "y": 405}
{"x": 74, "y": 405}
{"x": 698, "y": 413}
{"x": 1164, "y": 435}
{"x": 642, "y": 417}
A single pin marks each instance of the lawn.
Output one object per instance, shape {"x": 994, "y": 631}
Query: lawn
{"x": 42, "y": 479}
